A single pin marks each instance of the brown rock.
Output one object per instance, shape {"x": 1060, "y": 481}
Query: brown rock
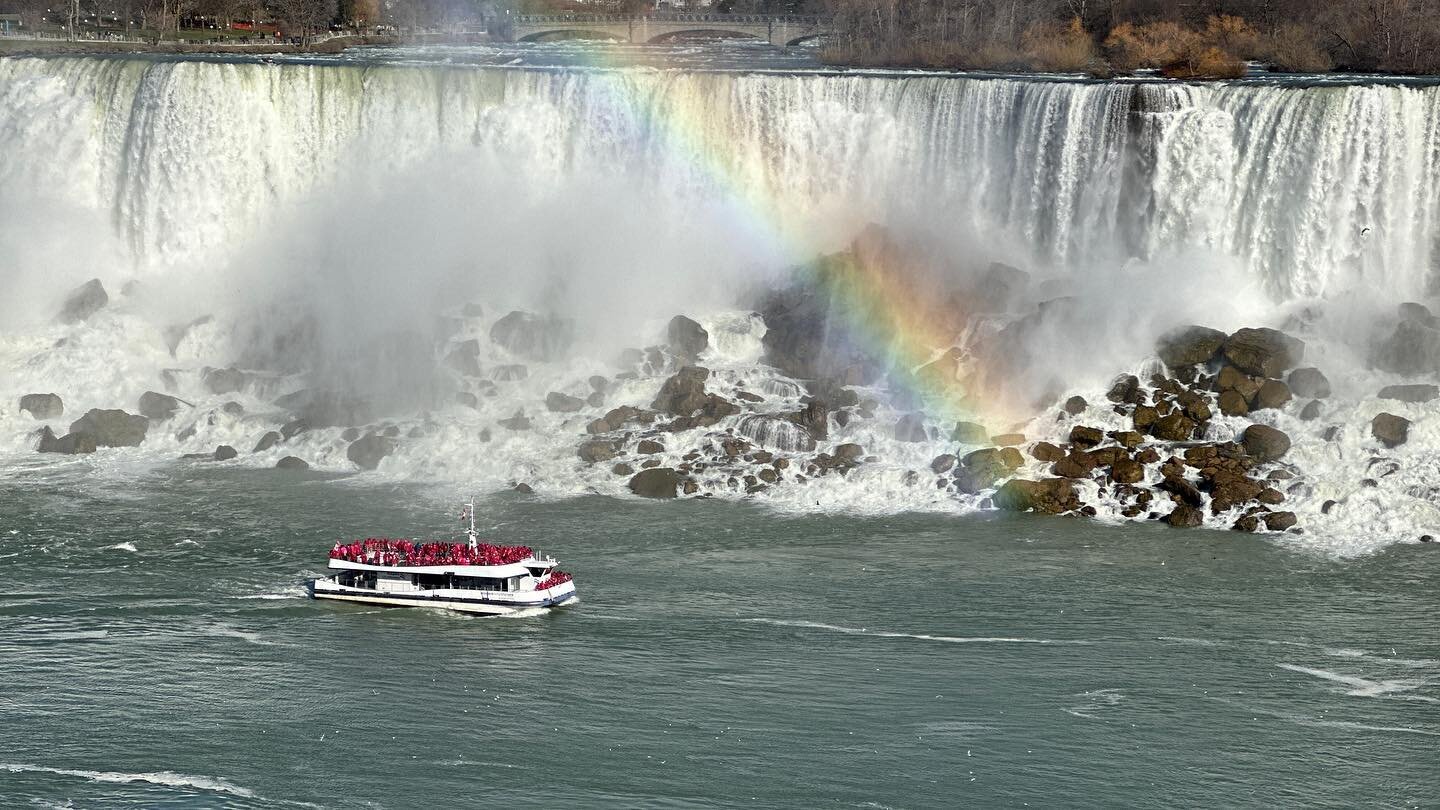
{"x": 1232, "y": 403}
{"x": 942, "y": 464}
{"x": 1051, "y": 495}
{"x": 1263, "y": 352}
{"x": 1185, "y": 517}
{"x": 1189, "y": 346}
{"x": 1264, "y": 443}
{"x": 1076, "y": 405}
{"x": 1279, "y": 521}
{"x": 1309, "y": 383}
{"x": 1173, "y": 428}
{"x": 1272, "y": 394}
{"x": 1390, "y": 430}
{"x": 1086, "y": 437}
{"x": 1045, "y": 451}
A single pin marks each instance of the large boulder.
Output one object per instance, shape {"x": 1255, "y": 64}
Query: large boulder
{"x": 686, "y": 338}
{"x": 969, "y": 433}
{"x": 70, "y": 444}
{"x": 83, "y": 301}
{"x": 563, "y": 403}
{"x": 1264, "y": 443}
{"x": 224, "y": 380}
{"x": 1390, "y": 430}
{"x": 658, "y": 482}
{"x": 911, "y": 428}
{"x": 533, "y": 337}
{"x": 157, "y": 406}
{"x": 225, "y": 452}
{"x": 684, "y": 393}
{"x": 1185, "y": 517}
{"x": 1173, "y": 428}
{"x": 1189, "y": 345}
{"x": 598, "y": 450}
{"x": 1264, "y": 352}
{"x": 1050, "y": 495}
{"x": 112, "y": 428}
{"x": 1410, "y": 393}
{"x": 1412, "y": 348}
{"x": 42, "y": 406}
{"x": 1309, "y": 383}
{"x": 1272, "y": 394}
{"x": 368, "y": 452}
{"x": 269, "y": 440}
{"x": 291, "y": 463}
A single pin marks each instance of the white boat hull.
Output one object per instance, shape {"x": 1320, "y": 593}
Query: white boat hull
{"x": 479, "y": 602}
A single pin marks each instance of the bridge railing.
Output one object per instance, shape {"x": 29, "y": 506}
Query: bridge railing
{"x": 733, "y": 19}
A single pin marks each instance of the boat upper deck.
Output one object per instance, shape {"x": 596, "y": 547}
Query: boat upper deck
{"x": 385, "y": 553}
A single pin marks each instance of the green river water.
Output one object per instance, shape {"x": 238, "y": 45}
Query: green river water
{"x": 156, "y": 650}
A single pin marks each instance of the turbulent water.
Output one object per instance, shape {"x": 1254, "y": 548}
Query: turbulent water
{"x": 335, "y": 205}
{"x": 720, "y": 656}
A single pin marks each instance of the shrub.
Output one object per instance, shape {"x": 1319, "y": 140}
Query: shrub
{"x": 1056, "y": 48}
{"x": 1295, "y": 48}
{"x": 1157, "y": 45}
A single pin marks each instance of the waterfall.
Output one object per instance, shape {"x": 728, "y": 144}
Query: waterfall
{"x": 1313, "y": 190}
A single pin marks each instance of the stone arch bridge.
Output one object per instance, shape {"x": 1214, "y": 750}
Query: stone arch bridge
{"x": 779, "y": 30}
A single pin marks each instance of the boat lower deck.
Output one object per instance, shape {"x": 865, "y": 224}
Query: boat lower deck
{"x": 462, "y": 600}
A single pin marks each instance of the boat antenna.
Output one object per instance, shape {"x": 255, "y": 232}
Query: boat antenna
{"x": 469, "y": 514}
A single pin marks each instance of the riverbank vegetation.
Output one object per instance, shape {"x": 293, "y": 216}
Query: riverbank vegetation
{"x": 1208, "y": 38}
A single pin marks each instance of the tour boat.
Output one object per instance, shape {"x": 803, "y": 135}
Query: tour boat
{"x": 470, "y": 577}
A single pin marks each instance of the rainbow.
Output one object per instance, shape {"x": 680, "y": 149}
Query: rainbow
{"x": 893, "y": 320}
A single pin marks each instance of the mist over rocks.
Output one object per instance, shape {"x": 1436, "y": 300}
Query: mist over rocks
{"x": 42, "y": 406}
{"x": 83, "y": 301}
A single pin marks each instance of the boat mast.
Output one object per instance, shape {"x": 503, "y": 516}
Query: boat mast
{"x": 470, "y": 513}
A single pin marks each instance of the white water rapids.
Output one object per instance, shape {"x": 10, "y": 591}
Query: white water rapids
{"x": 384, "y": 195}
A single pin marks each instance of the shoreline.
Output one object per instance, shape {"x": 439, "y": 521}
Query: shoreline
{"x": 43, "y": 47}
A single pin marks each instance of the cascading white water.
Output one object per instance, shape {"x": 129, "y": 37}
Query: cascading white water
{"x": 381, "y": 193}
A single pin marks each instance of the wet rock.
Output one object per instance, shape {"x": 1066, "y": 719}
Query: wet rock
{"x": 70, "y": 444}
{"x": 1413, "y": 348}
{"x": 1008, "y": 439}
{"x": 649, "y": 447}
{"x": 1311, "y": 411}
{"x": 350, "y": 434}
{"x": 1128, "y": 439}
{"x": 1076, "y": 405}
{"x": 517, "y": 422}
{"x": 1075, "y": 465}
{"x": 942, "y": 464}
{"x": 368, "y": 452}
{"x": 999, "y": 287}
{"x": 533, "y": 337}
{"x": 1127, "y": 471}
{"x": 623, "y": 469}
{"x": 1410, "y": 393}
{"x": 293, "y": 428}
{"x": 269, "y": 440}
{"x": 684, "y": 393}
{"x": 1263, "y": 352}
{"x": 1232, "y": 403}
{"x": 969, "y": 433}
{"x": 225, "y": 452}
{"x": 42, "y": 406}
{"x": 224, "y": 380}
{"x": 1144, "y": 417}
{"x": 1247, "y": 523}
{"x": 1051, "y": 495}
{"x": 563, "y": 403}
{"x": 597, "y": 450}
{"x": 1086, "y": 437}
{"x": 595, "y": 399}
{"x": 321, "y": 408}
{"x": 1185, "y": 517}
{"x": 911, "y": 428}
{"x": 1125, "y": 389}
{"x": 112, "y": 428}
{"x": 658, "y": 482}
{"x": 1148, "y": 456}
{"x": 1045, "y": 451}
{"x": 686, "y": 339}
{"x": 512, "y": 372}
{"x": 1264, "y": 443}
{"x": 158, "y": 406}
{"x": 467, "y": 400}
{"x": 484, "y": 435}
{"x": 83, "y": 301}
{"x": 1309, "y": 383}
{"x": 1189, "y": 345}
{"x": 1001, "y": 459}
{"x": 1279, "y": 521}
{"x": 1272, "y": 394}
{"x": 815, "y": 418}
{"x": 1389, "y": 429}
{"x": 1173, "y": 428}
{"x": 849, "y": 453}
{"x": 291, "y": 463}
{"x": 1196, "y": 407}
{"x": 1184, "y": 491}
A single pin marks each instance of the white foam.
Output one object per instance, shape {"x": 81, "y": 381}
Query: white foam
{"x": 1360, "y": 686}
{"x": 123, "y": 547}
{"x": 162, "y": 778}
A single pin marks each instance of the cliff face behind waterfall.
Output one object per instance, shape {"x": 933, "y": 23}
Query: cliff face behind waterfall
{"x": 363, "y": 230}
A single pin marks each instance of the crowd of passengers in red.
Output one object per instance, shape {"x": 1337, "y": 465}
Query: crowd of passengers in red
{"x": 382, "y": 551}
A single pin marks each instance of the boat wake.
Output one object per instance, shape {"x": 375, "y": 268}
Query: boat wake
{"x": 863, "y": 631}
{"x": 1366, "y": 687}
{"x": 162, "y": 778}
